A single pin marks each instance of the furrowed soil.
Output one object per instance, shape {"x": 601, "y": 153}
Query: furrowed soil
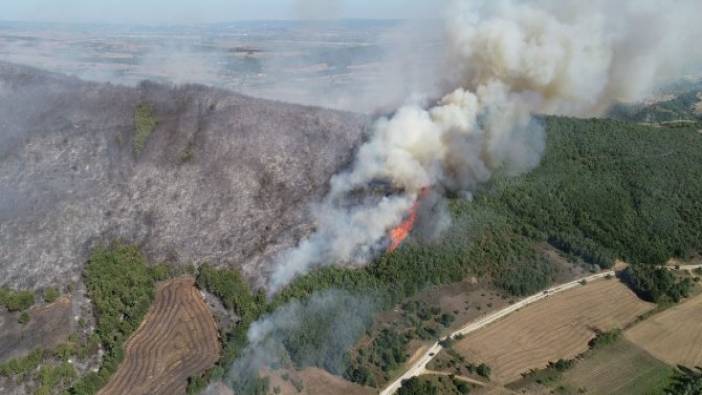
{"x": 674, "y": 336}
{"x": 177, "y": 339}
{"x": 558, "y": 327}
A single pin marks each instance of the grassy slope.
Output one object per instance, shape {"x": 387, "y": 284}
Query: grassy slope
{"x": 620, "y": 368}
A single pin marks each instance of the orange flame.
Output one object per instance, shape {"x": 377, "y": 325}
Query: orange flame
{"x": 399, "y": 233}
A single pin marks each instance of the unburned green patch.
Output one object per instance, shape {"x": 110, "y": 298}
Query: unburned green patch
{"x": 144, "y": 124}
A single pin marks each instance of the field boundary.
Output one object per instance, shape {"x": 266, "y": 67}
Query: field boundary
{"x": 420, "y": 367}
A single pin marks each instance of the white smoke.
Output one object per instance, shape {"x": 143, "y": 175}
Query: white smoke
{"x": 505, "y": 60}
{"x": 336, "y": 318}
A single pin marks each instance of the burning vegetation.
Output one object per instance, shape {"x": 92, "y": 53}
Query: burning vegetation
{"x": 399, "y": 233}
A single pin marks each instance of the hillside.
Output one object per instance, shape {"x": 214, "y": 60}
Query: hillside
{"x": 189, "y": 174}
{"x": 193, "y": 174}
{"x": 605, "y": 190}
{"x": 683, "y": 106}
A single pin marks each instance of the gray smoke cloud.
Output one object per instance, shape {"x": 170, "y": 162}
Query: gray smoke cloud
{"x": 314, "y": 332}
{"x": 504, "y": 61}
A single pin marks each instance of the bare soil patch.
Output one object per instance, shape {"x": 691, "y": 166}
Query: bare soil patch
{"x": 558, "y": 327}
{"x": 314, "y": 381}
{"x": 48, "y": 326}
{"x": 177, "y": 339}
{"x": 674, "y": 336}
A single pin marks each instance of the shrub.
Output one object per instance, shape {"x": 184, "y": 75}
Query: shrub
{"x": 446, "y": 319}
{"x": 562, "y": 365}
{"x": 603, "y": 339}
{"x": 50, "y": 295}
{"x": 16, "y": 300}
{"x": 483, "y": 370}
{"x": 24, "y": 318}
{"x": 22, "y": 366}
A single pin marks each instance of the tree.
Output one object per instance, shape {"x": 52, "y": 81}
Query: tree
{"x": 654, "y": 283}
{"x": 686, "y": 382}
{"x": 417, "y": 386}
{"x": 484, "y": 370}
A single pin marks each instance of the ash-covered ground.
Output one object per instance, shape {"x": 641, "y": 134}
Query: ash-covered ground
{"x": 224, "y": 178}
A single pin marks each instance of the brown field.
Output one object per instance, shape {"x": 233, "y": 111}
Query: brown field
{"x": 177, "y": 339}
{"x": 316, "y": 382}
{"x": 674, "y": 336}
{"x": 558, "y": 327}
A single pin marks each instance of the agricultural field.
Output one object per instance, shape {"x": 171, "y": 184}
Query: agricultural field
{"x": 177, "y": 339}
{"x": 674, "y": 336}
{"x": 559, "y": 327}
{"x": 418, "y": 321}
{"x": 620, "y": 368}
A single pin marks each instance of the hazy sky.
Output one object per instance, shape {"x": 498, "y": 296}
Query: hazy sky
{"x": 204, "y": 11}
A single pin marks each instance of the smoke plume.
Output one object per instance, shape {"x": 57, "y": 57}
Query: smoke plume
{"x": 315, "y": 332}
{"x": 504, "y": 61}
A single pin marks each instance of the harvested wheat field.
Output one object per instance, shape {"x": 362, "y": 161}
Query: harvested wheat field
{"x": 557, "y": 327}
{"x": 177, "y": 339}
{"x": 674, "y": 336}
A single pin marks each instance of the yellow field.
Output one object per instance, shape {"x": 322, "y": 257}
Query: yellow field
{"x": 674, "y": 336}
{"x": 177, "y": 339}
{"x": 558, "y": 327}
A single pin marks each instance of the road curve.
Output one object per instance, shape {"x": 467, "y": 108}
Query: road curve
{"x": 419, "y": 367}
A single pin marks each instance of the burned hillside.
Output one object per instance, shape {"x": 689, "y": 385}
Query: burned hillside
{"x": 220, "y": 177}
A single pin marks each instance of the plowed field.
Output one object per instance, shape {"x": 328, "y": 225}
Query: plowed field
{"x": 177, "y": 339}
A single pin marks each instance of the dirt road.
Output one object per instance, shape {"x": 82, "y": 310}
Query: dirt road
{"x": 419, "y": 367}
{"x": 688, "y": 268}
